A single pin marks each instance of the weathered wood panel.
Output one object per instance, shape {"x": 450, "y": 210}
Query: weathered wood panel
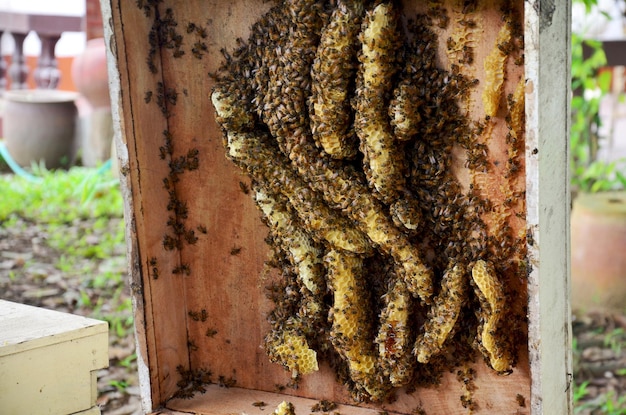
{"x": 200, "y": 304}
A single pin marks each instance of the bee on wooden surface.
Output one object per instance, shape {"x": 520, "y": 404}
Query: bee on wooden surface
{"x": 190, "y": 237}
{"x": 184, "y": 269}
{"x": 144, "y": 6}
{"x": 155, "y": 270}
{"x": 150, "y": 62}
{"x": 225, "y": 382}
{"x": 201, "y": 315}
{"x": 323, "y": 406}
{"x": 124, "y": 170}
{"x": 244, "y": 188}
{"x": 170, "y": 243}
{"x": 199, "y": 49}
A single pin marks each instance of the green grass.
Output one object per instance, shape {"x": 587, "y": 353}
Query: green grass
{"x": 88, "y": 199}
{"x": 61, "y": 197}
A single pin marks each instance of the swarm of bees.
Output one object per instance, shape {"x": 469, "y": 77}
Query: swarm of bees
{"x": 346, "y": 128}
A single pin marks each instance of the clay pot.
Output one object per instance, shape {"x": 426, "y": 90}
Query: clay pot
{"x": 598, "y": 243}
{"x": 90, "y": 76}
{"x": 40, "y": 125}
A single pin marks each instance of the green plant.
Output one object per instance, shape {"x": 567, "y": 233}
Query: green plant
{"x": 90, "y": 201}
{"x": 60, "y": 196}
{"x": 589, "y": 86}
{"x": 615, "y": 340}
{"x": 120, "y": 385}
{"x": 128, "y": 361}
{"x": 580, "y": 391}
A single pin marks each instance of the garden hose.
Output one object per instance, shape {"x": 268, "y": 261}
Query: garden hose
{"x": 4, "y": 152}
{"x": 17, "y": 169}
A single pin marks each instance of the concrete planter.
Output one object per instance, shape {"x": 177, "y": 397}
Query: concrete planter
{"x": 598, "y": 236}
{"x": 40, "y": 125}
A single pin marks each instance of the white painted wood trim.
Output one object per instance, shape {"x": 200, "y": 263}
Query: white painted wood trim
{"x": 547, "y": 63}
{"x": 133, "y": 257}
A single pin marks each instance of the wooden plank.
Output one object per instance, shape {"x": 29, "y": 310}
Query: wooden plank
{"x": 547, "y": 52}
{"x": 206, "y": 310}
{"x": 162, "y": 330}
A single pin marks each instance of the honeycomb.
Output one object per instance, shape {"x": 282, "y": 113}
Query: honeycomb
{"x": 330, "y": 118}
{"x": 493, "y": 302}
{"x": 351, "y": 131}
{"x": 285, "y": 408}
{"x": 494, "y": 70}
{"x": 292, "y": 350}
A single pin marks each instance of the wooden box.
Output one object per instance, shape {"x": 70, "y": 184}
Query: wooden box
{"x": 49, "y": 361}
{"x": 196, "y": 240}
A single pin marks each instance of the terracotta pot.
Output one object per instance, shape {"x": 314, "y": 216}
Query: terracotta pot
{"x": 40, "y": 125}
{"x": 90, "y": 76}
{"x": 598, "y": 262}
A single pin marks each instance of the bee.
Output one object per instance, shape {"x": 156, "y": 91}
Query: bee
{"x": 184, "y": 269}
{"x": 190, "y": 236}
{"x": 202, "y": 32}
{"x": 170, "y": 243}
{"x": 244, "y": 188}
{"x": 199, "y": 315}
{"x": 199, "y": 49}
{"x": 192, "y": 346}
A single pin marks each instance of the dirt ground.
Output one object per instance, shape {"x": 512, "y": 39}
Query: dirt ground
{"x": 29, "y": 274}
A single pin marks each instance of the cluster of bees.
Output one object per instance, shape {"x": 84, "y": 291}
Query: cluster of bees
{"x": 345, "y": 124}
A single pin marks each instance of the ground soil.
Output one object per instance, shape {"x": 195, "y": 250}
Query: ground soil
{"x": 29, "y": 274}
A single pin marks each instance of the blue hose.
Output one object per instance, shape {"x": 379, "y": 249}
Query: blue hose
{"x": 16, "y": 167}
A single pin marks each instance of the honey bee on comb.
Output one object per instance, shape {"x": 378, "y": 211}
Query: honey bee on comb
{"x": 351, "y": 322}
{"x": 332, "y": 73}
{"x": 382, "y": 156}
{"x": 490, "y": 292}
{"x": 351, "y": 134}
{"x": 443, "y": 315}
{"x": 494, "y": 70}
{"x": 394, "y": 336}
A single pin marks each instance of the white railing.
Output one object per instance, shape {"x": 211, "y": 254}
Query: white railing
{"x": 49, "y": 29}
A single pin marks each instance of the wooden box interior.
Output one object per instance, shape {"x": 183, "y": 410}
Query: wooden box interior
{"x": 203, "y": 307}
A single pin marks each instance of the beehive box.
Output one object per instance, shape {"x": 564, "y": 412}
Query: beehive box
{"x": 49, "y": 360}
{"x": 197, "y": 242}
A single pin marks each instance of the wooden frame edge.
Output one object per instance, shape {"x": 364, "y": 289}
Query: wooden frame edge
{"x": 547, "y": 51}
{"x": 134, "y": 261}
